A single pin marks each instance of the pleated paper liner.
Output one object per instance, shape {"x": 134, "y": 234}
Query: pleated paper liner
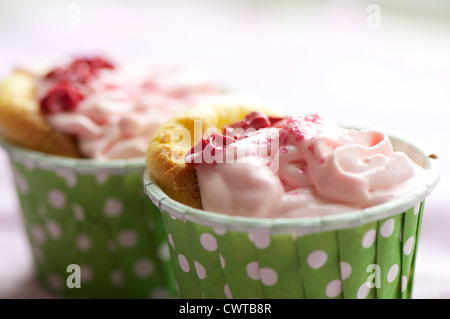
{"x": 92, "y": 230}
{"x": 364, "y": 254}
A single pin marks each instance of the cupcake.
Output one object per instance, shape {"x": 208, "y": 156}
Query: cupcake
{"x": 288, "y": 207}
{"x": 76, "y": 135}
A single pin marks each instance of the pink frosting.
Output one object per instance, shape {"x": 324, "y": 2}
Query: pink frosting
{"x": 122, "y": 108}
{"x": 308, "y": 166}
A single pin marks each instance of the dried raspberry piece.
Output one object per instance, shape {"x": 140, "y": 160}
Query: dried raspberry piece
{"x": 79, "y": 70}
{"x": 215, "y": 142}
{"x": 257, "y": 120}
{"x": 83, "y": 69}
{"x": 275, "y": 121}
{"x": 253, "y": 120}
{"x": 64, "y": 96}
{"x": 57, "y": 74}
{"x": 101, "y": 63}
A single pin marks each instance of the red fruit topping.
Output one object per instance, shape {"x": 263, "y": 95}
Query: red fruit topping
{"x": 64, "y": 96}
{"x": 100, "y": 63}
{"x": 79, "y": 70}
{"x": 214, "y": 143}
{"x": 85, "y": 68}
{"x": 254, "y": 120}
{"x": 217, "y": 143}
{"x": 275, "y": 121}
{"x": 312, "y": 118}
{"x": 297, "y": 126}
{"x": 57, "y": 74}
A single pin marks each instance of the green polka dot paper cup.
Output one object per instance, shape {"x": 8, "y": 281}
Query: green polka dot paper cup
{"x": 92, "y": 230}
{"x": 364, "y": 254}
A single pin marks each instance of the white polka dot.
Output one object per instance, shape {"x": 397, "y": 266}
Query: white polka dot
{"x": 22, "y": 184}
{"x": 55, "y": 281}
{"x": 86, "y": 274}
{"x": 269, "y": 276}
{"x": 363, "y": 291}
{"x": 408, "y": 246}
{"x": 227, "y": 291}
{"x": 113, "y": 207}
{"x": 260, "y": 240}
{"x": 28, "y": 163}
{"x": 369, "y": 238}
{"x": 253, "y": 270}
{"x": 116, "y": 278}
{"x": 346, "y": 270}
{"x": 201, "y": 271}
{"x": 208, "y": 242}
{"x": 37, "y": 234}
{"x": 170, "y": 239}
{"x": 143, "y": 268}
{"x": 78, "y": 212}
{"x": 83, "y": 242}
{"x": 163, "y": 251}
{"x": 392, "y": 273}
{"x": 317, "y": 259}
{"x": 222, "y": 261}
{"x": 159, "y": 293}
{"x": 387, "y": 228}
{"x": 128, "y": 238}
{"x": 183, "y": 262}
{"x": 404, "y": 282}
{"x": 68, "y": 175}
{"x": 220, "y": 230}
{"x": 334, "y": 288}
{"x": 172, "y": 216}
{"x": 53, "y": 229}
{"x": 56, "y": 198}
{"x": 101, "y": 178}
{"x": 416, "y": 209}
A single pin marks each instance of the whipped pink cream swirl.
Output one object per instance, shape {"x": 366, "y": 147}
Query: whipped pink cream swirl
{"x": 121, "y": 108}
{"x": 304, "y": 166}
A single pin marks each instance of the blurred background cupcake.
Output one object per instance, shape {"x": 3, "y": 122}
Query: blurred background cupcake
{"x": 76, "y": 135}
{"x": 363, "y": 63}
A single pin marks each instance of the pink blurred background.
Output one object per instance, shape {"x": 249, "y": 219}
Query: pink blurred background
{"x": 363, "y": 63}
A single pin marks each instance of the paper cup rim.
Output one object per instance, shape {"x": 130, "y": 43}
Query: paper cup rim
{"x": 80, "y": 165}
{"x": 302, "y": 225}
